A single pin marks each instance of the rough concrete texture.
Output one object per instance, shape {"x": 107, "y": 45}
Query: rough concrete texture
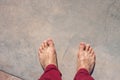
{"x": 6, "y": 76}
{"x": 24, "y": 24}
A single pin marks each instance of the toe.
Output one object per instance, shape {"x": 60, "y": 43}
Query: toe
{"x": 90, "y": 49}
{"x": 45, "y": 44}
{"x": 92, "y": 52}
{"x": 87, "y": 47}
{"x": 50, "y": 42}
{"x": 42, "y": 45}
{"x": 82, "y": 46}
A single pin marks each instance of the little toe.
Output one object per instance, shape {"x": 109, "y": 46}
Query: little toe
{"x": 92, "y": 52}
{"x": 87, "y": 47}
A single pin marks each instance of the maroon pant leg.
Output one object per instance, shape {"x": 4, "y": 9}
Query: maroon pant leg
{"x": 83, "y": 74}
{"x": 51, "y": 73}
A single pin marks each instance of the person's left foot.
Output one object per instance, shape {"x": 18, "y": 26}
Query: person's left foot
{"x": 86, "y": 57}
{"x": 47, "y": 54}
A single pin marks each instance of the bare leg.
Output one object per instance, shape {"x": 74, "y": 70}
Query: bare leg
{"x": 86, "y": 57}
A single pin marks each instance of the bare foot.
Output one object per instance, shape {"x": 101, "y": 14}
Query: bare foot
{"x": 47, "y": 54}
{"x": 86, "y": 57}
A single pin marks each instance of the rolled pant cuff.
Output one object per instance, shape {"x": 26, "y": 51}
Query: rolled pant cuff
{"x": 83, "y": 74}
{"x": 51, "y": 67}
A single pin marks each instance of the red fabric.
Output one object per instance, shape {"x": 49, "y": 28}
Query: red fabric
{"x": 52, "y": 73}
{"x": 83, "y": 74}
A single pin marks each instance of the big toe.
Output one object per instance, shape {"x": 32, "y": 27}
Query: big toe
{"x": 82, "y": 46}
{"x": 50, "y": 42}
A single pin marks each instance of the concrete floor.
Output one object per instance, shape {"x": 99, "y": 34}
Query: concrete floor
{"x": 6, "y": 76}
{"x": 24, "y": 24}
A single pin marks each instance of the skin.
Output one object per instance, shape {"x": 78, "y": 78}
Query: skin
{"x": 47, "y": 53}
{"x": 85, "y": 57}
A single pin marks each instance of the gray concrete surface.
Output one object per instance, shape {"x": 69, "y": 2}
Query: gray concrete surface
{"x": 6, "y": 76}
{"x": 24, "y": 24}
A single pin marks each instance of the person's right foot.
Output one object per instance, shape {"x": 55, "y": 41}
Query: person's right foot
{"x": 86, "y": 57}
